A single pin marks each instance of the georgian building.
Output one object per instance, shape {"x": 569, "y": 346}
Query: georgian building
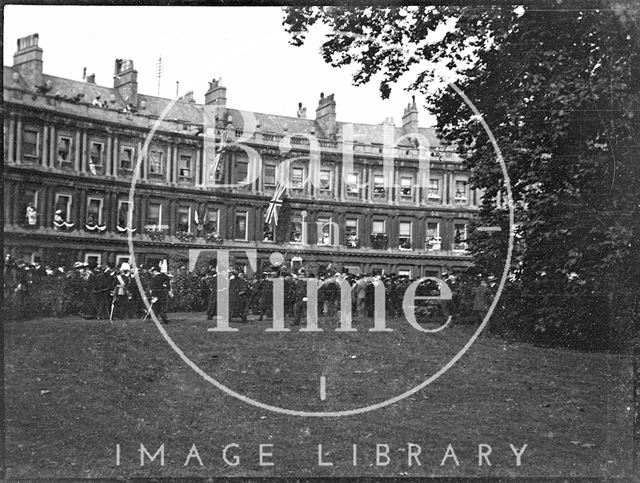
{"x": 71, "y": 149}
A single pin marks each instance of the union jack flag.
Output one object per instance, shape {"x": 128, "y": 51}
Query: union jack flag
{"x": 275, "y": 204}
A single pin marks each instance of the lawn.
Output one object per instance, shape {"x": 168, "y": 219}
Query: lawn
{"x": 75, "y": 389}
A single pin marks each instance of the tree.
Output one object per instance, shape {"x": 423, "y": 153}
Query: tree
{"x": 559, "y": 89}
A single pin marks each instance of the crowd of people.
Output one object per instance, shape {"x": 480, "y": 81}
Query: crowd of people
{"x": 110, "y": 292}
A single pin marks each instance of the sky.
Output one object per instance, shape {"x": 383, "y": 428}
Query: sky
{"x": 246, "y": 46}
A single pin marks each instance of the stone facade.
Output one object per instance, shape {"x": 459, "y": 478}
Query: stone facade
{"x": 71, "y": 149}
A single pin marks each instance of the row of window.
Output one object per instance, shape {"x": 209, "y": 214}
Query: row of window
{"x": 157, "y": 161}
{"x": 353, "y": 182}
{"x": 204, "y": 223}
{"x": 64, "y": 153}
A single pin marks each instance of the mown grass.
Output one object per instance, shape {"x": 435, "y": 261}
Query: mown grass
{"x": 75, "y": 388}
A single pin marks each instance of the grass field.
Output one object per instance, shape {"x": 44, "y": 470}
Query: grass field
{"x": 74, "y": 389}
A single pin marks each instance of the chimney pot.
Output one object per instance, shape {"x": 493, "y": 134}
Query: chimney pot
{"x": 28, "y": 60}
{"x": 326, "y": 114}
{"x": 125, "y": 80}
{"x": 217, "y": 94}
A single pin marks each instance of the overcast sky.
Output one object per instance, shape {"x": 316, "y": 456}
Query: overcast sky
{"x": 246, "y": 46}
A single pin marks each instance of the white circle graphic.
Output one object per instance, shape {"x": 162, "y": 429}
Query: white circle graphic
{"x": 347, "y": 412}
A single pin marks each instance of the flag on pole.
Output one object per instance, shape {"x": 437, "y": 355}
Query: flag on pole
{"x": 275, "y": 204}
{"x": 223, "y": 141}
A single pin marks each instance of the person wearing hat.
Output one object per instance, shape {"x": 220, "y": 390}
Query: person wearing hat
{"x": 238, "y": 289}
{"x": 100, "y": 287}
{"x": 300, "y": 290}
{"x": 211, "y": 281}
{"x": 160, "y": 286}
{"x": 122, "y": 296}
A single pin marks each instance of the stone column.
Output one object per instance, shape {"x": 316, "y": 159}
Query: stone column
{"x": 80, "y": 196}
{"x": 198, "y": 167}
{"x": 77, "y": 161}
{"x": 169, "y": 166}
{"x": 12, "y": 135}
{"x": 84, "y": 167}
{"x": 19, "y": 142}
{"x": 52, "y": 147}
{"x": 175, "y": 163}
{"x": 108, "y": 169}
{"x": 143, "y": 165}
{"x": 45, "y": 138}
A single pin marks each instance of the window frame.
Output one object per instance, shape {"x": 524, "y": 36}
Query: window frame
{"x": 302, "y": 176}
{"x": 379, "y": 186}
{"x": 329, "y": 223}
{"x": 69, "y": 205}
{"x": 151, "y": 162}
{"x": 217, "y": 227}
{"x": 158, "y": 226}
{"x": 295, "y": 220}
{"x": 246, "y": 225}
{"x": 437, "y": 238}
{"x": 265, "y": 183}
{"x": 347, "y": 184}
{"x": 181, "y": 158}
{"x": 178, "y": 223}
{"x": 404, "y": 178}
{"x": 464, "y": 235}
{"x": 464, "y": 197}
{"x": 244, "y": 181}
{"x": 384, "y": 227}
{"x": 328, "y": 189}
{"x": 97, "y": 255}
{"x": 69, "y": 159}
{"x": 120, "y": 203}
{"x": 401, "y": 236}
{"x": 431, "y": 195}
{"x": 100, "y": 209}
{"x": 123, "y": 149}
{"x": 36, "y": 131}
{"x": 99, "y": 164}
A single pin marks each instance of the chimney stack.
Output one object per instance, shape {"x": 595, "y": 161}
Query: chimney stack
{"x": 28, "y": 60}
{"x": 216, "y": 94}
{"x": 125, "y": 80}
{"x": 91, "y": 79}
{"x": 326, "y": 114}
{"x": 410, "y": 117}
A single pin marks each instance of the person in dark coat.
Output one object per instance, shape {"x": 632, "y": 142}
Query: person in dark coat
{"x": 211, "y": 281}
{"x": 100, "y": 287}
{"x": 160, "y": 288}
{"x": 300, "y": 306}
{"x": 238, "y": 295}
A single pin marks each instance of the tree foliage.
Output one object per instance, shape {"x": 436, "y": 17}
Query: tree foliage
{"x": 559, "y": 89}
